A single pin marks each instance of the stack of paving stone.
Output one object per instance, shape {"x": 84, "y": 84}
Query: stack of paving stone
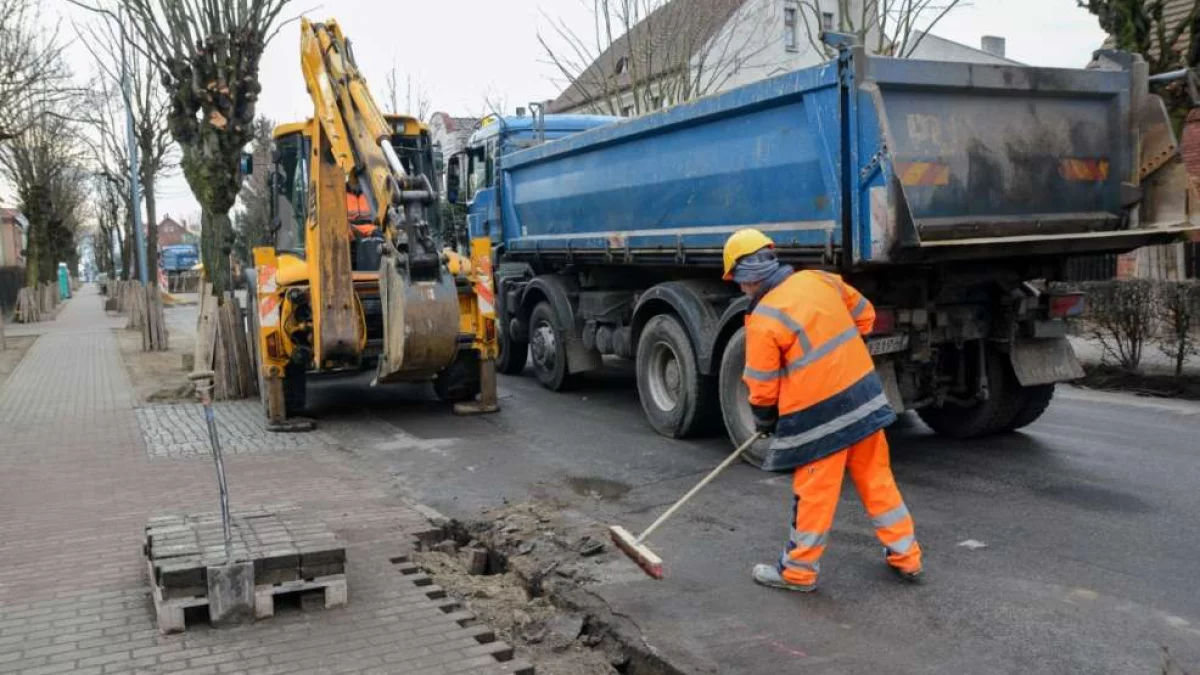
{"x": 290, "y": 554}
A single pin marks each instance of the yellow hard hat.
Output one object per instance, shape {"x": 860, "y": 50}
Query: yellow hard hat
{"x": 742, "y": 243}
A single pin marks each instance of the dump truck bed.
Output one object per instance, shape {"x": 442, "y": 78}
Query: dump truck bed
{"x": 933, "y": 161}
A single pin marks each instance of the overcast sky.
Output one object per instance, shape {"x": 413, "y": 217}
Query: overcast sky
{"x": 461, "y": 52}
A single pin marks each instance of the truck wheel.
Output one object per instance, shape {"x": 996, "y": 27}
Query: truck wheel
{"x": 982, "y": 418}
{"x": 677, "y": 399}
{"x": 735, "y": 400}
{"x": 548, "y": 346}
{"x": 1035, "y": 401}
{"x": 295, "y": 389}
{"x": 513, "y": 355}
{"x": 459, "y": 381}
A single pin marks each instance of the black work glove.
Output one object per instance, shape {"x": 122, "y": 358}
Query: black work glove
{"x": 765, "y": 418}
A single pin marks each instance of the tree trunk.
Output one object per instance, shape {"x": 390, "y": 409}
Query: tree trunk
{"x": 151, "y": 232}
{"x": 123, "y": 249}
{"x": 31, "y": 258}
{"x": 214, "y": 246}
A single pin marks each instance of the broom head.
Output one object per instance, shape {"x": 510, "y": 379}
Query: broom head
{"x": 639, "y": 553}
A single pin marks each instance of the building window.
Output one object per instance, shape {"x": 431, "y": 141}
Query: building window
{"x": 827, "y": 20}
{"x": 791, "y": 36}
{"x": 627, "y": 111}
{"x": 622, "y": 65}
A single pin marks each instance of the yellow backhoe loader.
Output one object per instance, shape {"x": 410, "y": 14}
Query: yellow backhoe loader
{"x": 355, "y": 279}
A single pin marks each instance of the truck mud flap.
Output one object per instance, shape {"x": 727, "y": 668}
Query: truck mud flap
{"x": 891, "y": 386}
{"x": 1044, "y": 362}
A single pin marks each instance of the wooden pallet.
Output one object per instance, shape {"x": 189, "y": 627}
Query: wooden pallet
{"x": 290, "y": 554}
{"x": 334, "y": 586}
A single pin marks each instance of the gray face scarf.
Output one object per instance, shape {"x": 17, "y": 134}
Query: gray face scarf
{"x": 756, "y": 267}
{"x": 761, "y": 267}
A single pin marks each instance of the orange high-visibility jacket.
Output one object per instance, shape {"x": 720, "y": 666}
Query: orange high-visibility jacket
{"x": 358, "y": 210}
{"x": 806, "y": 356}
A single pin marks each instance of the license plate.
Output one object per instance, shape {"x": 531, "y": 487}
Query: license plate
{"x": 887, "y": 345}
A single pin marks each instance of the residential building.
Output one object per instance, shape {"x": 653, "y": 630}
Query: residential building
{"x": 450, "y": 135}
{"x": 690, "y": 48}
{"x": 930, "y": 47}
{"x": 13, "y": 237}
{"x": 172, "y": 232}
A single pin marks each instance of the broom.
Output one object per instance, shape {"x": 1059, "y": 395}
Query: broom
{"x": 641, "y": 554}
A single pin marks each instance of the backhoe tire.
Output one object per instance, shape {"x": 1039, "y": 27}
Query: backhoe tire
{"x": 678, "y": 401}
{"x": 295, "y": 389}
{"x": 459, "y": 382}
{"x": 1035, "y": 401}
{"x": 548, "y": 347}
{"x": 513, "y": 356}
{"x": 735, "y": 401}
{"x": 983, "y": 418}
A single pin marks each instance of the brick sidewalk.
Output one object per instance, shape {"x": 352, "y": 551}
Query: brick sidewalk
{"x": 77, "y": 483}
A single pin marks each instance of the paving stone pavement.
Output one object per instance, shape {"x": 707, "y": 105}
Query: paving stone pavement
{"x": 179, "y": 430}
{"x": 78, "y": 481}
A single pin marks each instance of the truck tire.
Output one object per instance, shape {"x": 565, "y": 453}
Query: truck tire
{"x": 459, "y": 381}
{"x": 735, "y": 400}
{"x": 678, "y": 401}
{"x": 295, "y": 389}
{"x": 982, "y": 418}
{"x": 1035, "y": 401}
{"x": 548, "y": 347}
{"x": 513, "y": 354}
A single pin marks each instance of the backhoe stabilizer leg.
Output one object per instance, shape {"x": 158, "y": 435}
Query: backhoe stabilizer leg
{"x": 275, "y": 407}
{"x": 487, "y": 402}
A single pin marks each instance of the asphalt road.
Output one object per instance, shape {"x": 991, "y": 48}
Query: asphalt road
{"x": 1091, "y": 521}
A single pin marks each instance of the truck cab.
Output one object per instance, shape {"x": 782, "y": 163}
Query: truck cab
{"x": 472, "y": 175}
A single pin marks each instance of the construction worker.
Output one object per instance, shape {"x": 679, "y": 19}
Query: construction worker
{"x": 814, "y": 391}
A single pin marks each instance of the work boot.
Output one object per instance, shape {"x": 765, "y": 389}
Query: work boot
{"x": 768, "y": 575}
{"x": 914, "y": 577}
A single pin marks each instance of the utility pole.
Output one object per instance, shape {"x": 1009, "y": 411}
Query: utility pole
{"x": 135, "y": 188}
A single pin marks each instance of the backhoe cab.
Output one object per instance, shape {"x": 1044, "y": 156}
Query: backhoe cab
{"x": 356, "y": 279}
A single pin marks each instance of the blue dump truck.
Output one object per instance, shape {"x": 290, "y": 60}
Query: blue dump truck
{"x": 951, "y": 194}
{"x": 179, "y": 258}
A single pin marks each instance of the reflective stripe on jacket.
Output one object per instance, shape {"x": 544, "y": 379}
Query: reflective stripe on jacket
{"x": 806, "y": 356}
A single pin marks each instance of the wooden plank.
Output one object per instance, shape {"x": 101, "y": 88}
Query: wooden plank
{"x": 245, "y": 367}
{"x": 205, "y": 330}
{"x": 220, "y": 356}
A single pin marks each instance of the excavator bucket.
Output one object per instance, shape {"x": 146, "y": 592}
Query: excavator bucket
{"x": 420, "y": 325}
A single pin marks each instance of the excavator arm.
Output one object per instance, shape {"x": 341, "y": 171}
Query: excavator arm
{"x": 337, "y": 294}
{"x": 360, "y": 142}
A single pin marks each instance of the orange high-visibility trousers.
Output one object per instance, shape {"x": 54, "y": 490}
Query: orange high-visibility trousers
{"x": 818, "y": 486}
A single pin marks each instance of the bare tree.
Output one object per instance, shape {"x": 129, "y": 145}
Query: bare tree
{"x": 419, "y": 107}
{"x": 108, "y": 207}
{"x": 149, "y": 104}
{"x": 254, "y": 221}
{"x": 393, "y": 90}
{"x": 207, "y": 54}
{"x": 641, "y": 54}
{"x": 33, "y": 75}
{"x": 45, "y": 166}
{"x": 108, "y": 154}
{"x": 889, "y": 27}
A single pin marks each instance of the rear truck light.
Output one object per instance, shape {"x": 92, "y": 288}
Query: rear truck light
{"x": 923, "y": 174}
{"x": 1084, "y": 170}
{"x": 273, "y": 346}
{"x": 489, "y": 329}
{"x": 885, "y": 322}
{"x": 1066, "y": 305}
